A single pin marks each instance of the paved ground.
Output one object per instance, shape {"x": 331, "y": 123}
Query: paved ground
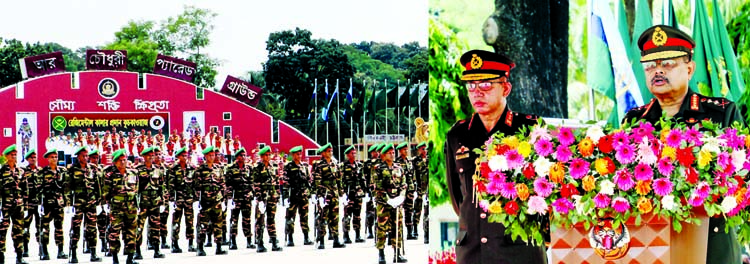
{"x": 416, "y": 250}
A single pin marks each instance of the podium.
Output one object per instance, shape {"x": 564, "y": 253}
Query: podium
{"x": 654, "y": 241}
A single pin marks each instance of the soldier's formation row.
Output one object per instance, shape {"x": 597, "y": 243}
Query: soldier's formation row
{"x": 118, "y": 199}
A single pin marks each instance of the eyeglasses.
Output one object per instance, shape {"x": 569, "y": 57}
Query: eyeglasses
{"x": 665, "y": 64}
{"x": 483, "y": 86}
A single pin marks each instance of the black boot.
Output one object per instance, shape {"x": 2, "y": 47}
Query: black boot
{"x": 104, "y": 244}
{"x": 347, "y": 240}
{"x": 250, "y": 243}
{"x": 397, "y": 257}
{"x": 426, "y": 237}
{"x": 150, "y": 246}
{"x": 94, "y": 258}
{"x": 191, "y": 248}
{"x": 330, "y": 236}
{"x": 60, "y": 253}
{"x": 289, "y": 240}
{"x": 219, "y": 251}
{"x": 25, "y": 249}
{"x": 19, "y": 258}
{"x": 322, "y": 243}
{"x": 261, "y": 247}
{"x": 337, "y": 244}
{"x": 73, "y": 255}
{"x": 108, "y": 254}
{"x": 369, "y": 232}
{"x": 176, "y": 247}
{"x": 410, "y": 233}
{"x": 358, "y": 238}
{"x": 157, "y": 252}
{"x": 137, "y": 254}
{"x": 164, "y": 244}
{"x": 2, "y": 257}
{"x": 414, "y": 231}
{"x": 201, "y": 252}
{"x": 131, "y": 259}
{"x": 275, "y": 244}
{"x": 233, "y": 243}
{"x": 208, "y": 241}
{"x": 115, "y": 259}
{"x": 307, "y": 240}
{"x": 44, "y": 254}
{"x": 381, "y": 256}
{"x": 86, "y": 247}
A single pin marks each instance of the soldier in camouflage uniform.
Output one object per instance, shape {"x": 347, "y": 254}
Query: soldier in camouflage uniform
{"x": 405, "y": 162}
{"x": 51, "y": 182}
{"x": 390, "y": 191}
{"x": 210, "y": 189}
{"x": 355, "y": 186}
{"x": 120, "y": 191}
{"x": 102, "y": 219}
{"x": 13, "y": 197}
{"x": 83, "y": 189}
{"x": 151, "y": 189}
{"x": 181, "y": 191}
{"x": 327, "y": 179}
{"x": 368, "y": 169}
{"x": 164, "y": 214}
{"x": 240, "y": 192}
{"x": 421, "y": 176}
{"x": 30, "y": 174}
{"x": 267, "y": 193}
{"x": 297, "y": 191}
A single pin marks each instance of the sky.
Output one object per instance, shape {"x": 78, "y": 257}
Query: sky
{"x": 241, "y": 27}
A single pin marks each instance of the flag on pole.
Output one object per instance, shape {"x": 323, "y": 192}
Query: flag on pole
{"x": 326, "y": 111}
{"x": 667, "y": 14}
{"x": 733, "y": 79}
{"x": 609, "y": 70}
{"x": 710, "y": 66}
{"x": 313, "y": 104}
{"x": 643, "y": 21}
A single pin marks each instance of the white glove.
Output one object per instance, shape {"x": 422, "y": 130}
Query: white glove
{"x": 223, "y": 207}
{"x": 25, "y": 213}
{"x": 367, "y": 198}
{"x": 161, "y": 208}
{"x": 322, "y": 202}
{"x": 424, "y": 197}
{"x": 314, "y": 197}
{"x": 106, "y": 208}
{"x": 196, "y": 205}
{"x": 262, "y": 207}
{"x": 173, "y": 205}
{"x": 344, "y": 200}
{"x": 286, "y": 202}
{"x": 254, "y": 202}
{"x": 396, "y": 202}
{"x": 41, "y": 210}
{"x": 98, "y": 209}
{"x": 230, "y": 204}
{"x": 70, "y": 210}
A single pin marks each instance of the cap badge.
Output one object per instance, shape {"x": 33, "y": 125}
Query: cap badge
{"x": 659, "y": 37}
{"x": 476, "y": 62}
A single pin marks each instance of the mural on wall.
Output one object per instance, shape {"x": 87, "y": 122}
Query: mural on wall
{"x": 26, "y": 131}
{"x": 194, "y": 123}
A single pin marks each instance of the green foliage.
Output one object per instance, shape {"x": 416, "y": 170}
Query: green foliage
{"x": 256, "y": 78}
{"x": 11, "y": 50}
{"x": 135, "y": 37}
{"x": 739, "y": 32}
{"x": 447, "y": 103}
{"x": 273, "y": 104}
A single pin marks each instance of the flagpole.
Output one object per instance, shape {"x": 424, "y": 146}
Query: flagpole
{"x": 316, "y": 110}
{"x": 408, "y": 112}
{"x": 364, "y": 113}
{"x": 386, "y": 107}
{"x": 351, "y": 116}
{"x": 338, "y": 123}
{"x": 419, "y": 97}
{"x": 398, "y": 110}
{"x": 328, "y": 138}
{"x": 592, "y": 108}
{"x": 374, "y": 110}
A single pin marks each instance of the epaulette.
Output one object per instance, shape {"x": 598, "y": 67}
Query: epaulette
{"x": 715, "y": 103}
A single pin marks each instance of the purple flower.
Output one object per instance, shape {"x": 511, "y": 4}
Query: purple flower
{"x": 624, "y": 179}
{"x": 578, "y": 168}
{"x": 542, "y": 187}
{"x": 732, "y": 139}
{"x": 601, "y": 200}
{"x": 565, "y": 136}
{"x": 662, "y": 186}
{"x": 665, "y": 166}
{"x": 508, "y": 190}
{"x": 620, "y": 205}
{"x": 563, "y": 205}
{"x": 543, "y": 147}
{"x": 625, "y": 153}
{"x": 515, "y": 160}
{"x": 643, "y": 172}
{"x": 673, "y": 138}
{"x": 563, "y": 153}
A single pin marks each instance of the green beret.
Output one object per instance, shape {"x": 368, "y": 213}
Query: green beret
{"x": 350, "y": 148}
{"x": 324, "y": 147}
{"x": 264, "y": 150}
{"x": 380, "y": 147}
{"x": 94, "y": 152}
{"x": 295, "y": 149}
{"x": 75, "y": 153}
{"x": 147, "y": 150}
{"x": 118, "y": 154}
{"x": 241, "y": 150}
{"x": 9, "y": 149}
{"x": 423, "y": 144}
{"x": 51, "y": 151}
{"x": 156, "y": 149}
{"x": 208, "y": 150}
{"x": 32, "y": 151}
{"x": 386, "y": 148}
{"x": 402, "y": 145}
{"x": 373, "y": 148}
{"x": 180, "y": 151}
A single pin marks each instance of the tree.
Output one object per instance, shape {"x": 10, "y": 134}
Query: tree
{"x": 11, "y": 50}
{"x": 256, "y": 78}
{"x": 416, "y": 66}
{"x": 136, "y": 38}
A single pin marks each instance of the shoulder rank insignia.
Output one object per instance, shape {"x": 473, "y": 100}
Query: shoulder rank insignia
{"x": 694, "y": 102}
{"x": 509, "y": 118}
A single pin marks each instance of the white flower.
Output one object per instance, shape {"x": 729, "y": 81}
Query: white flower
{"x": 738, "y": 159}
{"x": 580, "y": 207}
{"x": 645, "y": 153}
{"x": 541, "y": 166}
{"x": 498, "y": 163}
{"x": 667, "y": 202}
{"x": 607, "y": 187}
{"x": 539, "y": 132}
{"x": 712, "y": 144}
{"x": 728, "y": 204}
{"x": 595, "y": 132}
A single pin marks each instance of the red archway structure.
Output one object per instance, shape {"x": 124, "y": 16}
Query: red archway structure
{"x": 103, "y": 99}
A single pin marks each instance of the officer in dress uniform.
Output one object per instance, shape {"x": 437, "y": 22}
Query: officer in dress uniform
{"x": 479, "y": 241}
{"x": 666, "y": 55}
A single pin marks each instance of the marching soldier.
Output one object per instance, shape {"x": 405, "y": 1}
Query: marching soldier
{"x": 151, "y": 190}
{"x": 181, "y": 188}
{"x": 297, "y": 191}
{"x": 164, "y": 214}
{"x": 13, "y": 197}
{"x": 102, "y": 219}
{"x": 328, "y": 188}
{"x": 240, "y": 193}
{"x": 30, "y": 174}
{"x": 421, "y": 169}
{"x": 84, "y": 190}
{"x": 51, "y": 188}
{"x": 390, "y": 191}
{"x": 267, "y": 194}
{"x": 403, "y": 160}
{"x": 120, "y": 191}
{"x": 355, "y": 186}
{"x": 210, "y": 188}
{"x": 369, "y": 168}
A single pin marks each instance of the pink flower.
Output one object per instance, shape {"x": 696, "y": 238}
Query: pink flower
{"x": 643, "y": 130}
{"x": 485, "y": 205}
{"x": 693, "y": 136}
{"x": 537, "y": 205}
{"x": 620, "y": 138}
{"x": 542, "y": 187}
{"x": 497, "y": 175}
{"x": 579, "y": 168}
{"x": 543, "y": 147}
{"x": 662, "y": 186}
{"x": 695, "y": 201}
{"x": 563, "y": 153}
{"x": 563, "y": 205}
{"x": 723, "y": 160}
{"x": 646, "y": 153}
{"x": 673, "y": 138}
{"x": 732, "y": 139}
{"x": 620, "y": 205}
{"x": 565, "y": 136}
{"x": 665, "y": 166}
{"x": 508, "y": 190}
{"x": 643, "y": 172}
{"x": 702, "y": 190}
{"x": 624, "y": 179}
{"x": 601, "y": 200}
{"x": 539, "y": 133}
{"x": 625, "y": 153}
{"x": 515, "y": 160}
{"x": 494, "y": 187}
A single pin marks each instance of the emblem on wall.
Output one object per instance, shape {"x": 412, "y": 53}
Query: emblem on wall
{"x": 608, "y": 242}
{"x": 108, "y": 88}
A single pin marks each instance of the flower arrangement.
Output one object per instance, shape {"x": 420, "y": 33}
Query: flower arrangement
{"x": 576, "y": 176}
{"x": 443, "y": 257}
